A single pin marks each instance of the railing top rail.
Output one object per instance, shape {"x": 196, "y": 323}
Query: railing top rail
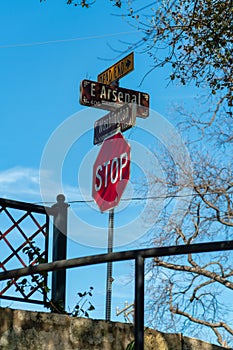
{"x": 119, "y": 256}
{"x": 36, "y": 208}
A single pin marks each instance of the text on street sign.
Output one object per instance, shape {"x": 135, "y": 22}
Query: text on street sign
{"x": 98, "y": 95}
{"x": 122, "y": 118}
{"x": 117, "y": 70}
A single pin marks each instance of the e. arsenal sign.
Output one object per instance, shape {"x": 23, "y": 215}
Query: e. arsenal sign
{"x": 98, "y": 95}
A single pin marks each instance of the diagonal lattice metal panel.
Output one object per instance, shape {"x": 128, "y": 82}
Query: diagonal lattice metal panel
{"x": 24, "y": 230}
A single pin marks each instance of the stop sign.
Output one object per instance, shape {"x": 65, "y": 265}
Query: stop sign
{"x": 111, "y": 172}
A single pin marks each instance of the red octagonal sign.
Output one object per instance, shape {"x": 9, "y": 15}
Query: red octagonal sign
{"x": 111, "y": 172}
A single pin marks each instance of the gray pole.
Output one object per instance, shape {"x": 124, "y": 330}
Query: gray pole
{"x": 110, "y": 246}
{"x": 59, "y": 250}
{"x": 109, "y": 266}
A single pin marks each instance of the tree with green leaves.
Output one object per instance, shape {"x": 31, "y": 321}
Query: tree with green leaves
{"x": 193, "y": 37}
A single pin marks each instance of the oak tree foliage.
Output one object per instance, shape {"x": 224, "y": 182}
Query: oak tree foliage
{"x": 193, "y": 37}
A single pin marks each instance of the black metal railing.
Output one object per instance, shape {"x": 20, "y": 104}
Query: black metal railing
{"x": 138, "y": 256}
{"x": 24, "y": 240}
{"x": 24, "y": 228}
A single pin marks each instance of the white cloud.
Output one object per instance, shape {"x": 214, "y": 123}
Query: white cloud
{"x": 19, "y": 183}
{"x": 13, "y": 175}
{"x": 23, "y": 183}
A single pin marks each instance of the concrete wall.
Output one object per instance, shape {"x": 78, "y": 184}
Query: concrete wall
{"x": 25, "y": 330}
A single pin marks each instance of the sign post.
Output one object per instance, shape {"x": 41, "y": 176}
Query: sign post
{"x": 111, "y": 173}
{"x": 109, "y": 266}
{"x": 111, "y": 169}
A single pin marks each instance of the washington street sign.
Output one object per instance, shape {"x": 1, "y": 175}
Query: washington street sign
{"x": 98, "y": 95}
{"x": 122, "y": 118}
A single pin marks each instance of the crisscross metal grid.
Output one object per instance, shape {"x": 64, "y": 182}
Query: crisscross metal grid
{"x": 24, "y": 230}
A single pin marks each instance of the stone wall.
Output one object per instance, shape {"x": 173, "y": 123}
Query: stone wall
{"x": 25, "y": 330}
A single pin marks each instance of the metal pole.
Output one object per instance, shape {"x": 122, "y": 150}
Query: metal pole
{"x": 110, "y": 246}
{"x": 118, "y": 256}
{"x": 109, "y": 266}
{"x": 59, "y": 250}
{"x": 139, "y": 303}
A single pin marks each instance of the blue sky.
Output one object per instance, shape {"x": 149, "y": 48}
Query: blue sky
{"x": 46, "y": 49}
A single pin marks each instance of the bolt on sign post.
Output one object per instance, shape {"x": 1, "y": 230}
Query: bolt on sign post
{"x": 111, "y": 172}
{"x": 109, "y": 97}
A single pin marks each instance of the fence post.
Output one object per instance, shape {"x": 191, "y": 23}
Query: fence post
{"x": 139, "y": 303}
{"x": 59, "y": 250}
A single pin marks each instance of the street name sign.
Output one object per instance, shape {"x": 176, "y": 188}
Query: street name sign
{"x": 122, "y": 118}
{"x": 111, "y": 172}
{"x": 98, "y": 95}
{"x": 117, "y": 70}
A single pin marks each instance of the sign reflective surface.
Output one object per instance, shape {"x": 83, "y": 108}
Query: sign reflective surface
{"x": 98, "y": 95}
{"x": 117, "y": 70}
{"x": 122, "y": 118}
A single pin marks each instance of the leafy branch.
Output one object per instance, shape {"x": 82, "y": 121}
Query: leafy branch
{"x": 81, "y": 308}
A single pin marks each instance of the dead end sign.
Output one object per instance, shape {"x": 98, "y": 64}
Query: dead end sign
{"x": 117, "y": 70}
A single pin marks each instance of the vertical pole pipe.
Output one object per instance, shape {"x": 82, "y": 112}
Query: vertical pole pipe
{"x": 109, "y": 266}
{"x": 110, "y": 246}
{"x": 59, "y": 250}
{"x": 139, "y": 303}
{"x": 46, "y": 257}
